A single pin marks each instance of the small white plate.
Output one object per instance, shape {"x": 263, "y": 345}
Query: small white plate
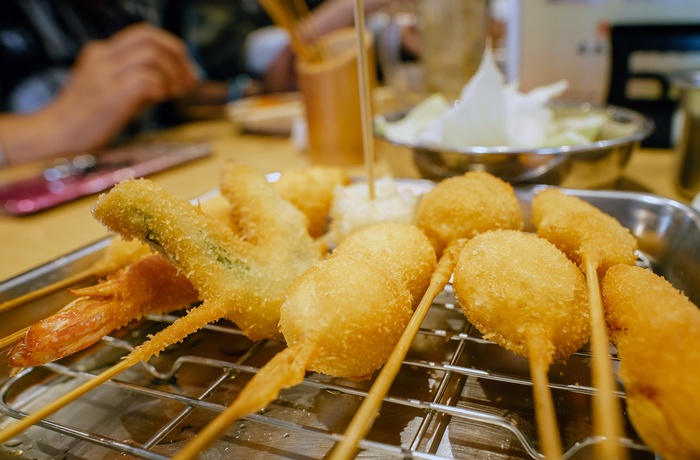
{"x": 267, "y": 114}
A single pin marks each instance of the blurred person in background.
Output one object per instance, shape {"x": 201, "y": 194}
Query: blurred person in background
{"x": 79, "y": 74}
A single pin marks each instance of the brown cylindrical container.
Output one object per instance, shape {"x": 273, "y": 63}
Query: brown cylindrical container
{"x": 331, "y": 94}
{"x": 688, "y": 146}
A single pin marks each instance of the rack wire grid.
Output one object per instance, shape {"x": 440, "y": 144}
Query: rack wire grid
{"x": 456, "y": 396}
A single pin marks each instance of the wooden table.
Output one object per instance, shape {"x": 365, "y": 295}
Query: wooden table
{"x": 27, "y": 242}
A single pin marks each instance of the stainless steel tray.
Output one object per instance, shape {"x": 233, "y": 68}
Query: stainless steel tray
{"x": 456, "y": 396}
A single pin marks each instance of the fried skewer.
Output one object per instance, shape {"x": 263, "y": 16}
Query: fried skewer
{"x": 595, "y": 241}
{"x": 141, "y": 287}
{"x": 655, "y": 327}
{"x": 312, "y": 191}
{"x": 243, "y": 280}
{"x": 523, "y": 293}
{"x": 359, "y": 299}
{"x": 118, "y": 254}
{"x": 151, "y": 285}
{"x": 455, "y": 210}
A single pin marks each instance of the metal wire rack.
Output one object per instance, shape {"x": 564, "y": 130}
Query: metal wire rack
{"x": 456, "y": 396}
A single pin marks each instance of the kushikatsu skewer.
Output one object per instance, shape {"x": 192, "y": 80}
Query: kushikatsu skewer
{"x": 342, "y": 317}
{"x": 243, "y": 280}
{"x": 595, "y": 241}
{"x": 523, "y": 293}
{"x": 455, "y": 210}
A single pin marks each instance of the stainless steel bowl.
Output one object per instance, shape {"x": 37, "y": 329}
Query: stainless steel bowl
{"x": 593, "y": 165}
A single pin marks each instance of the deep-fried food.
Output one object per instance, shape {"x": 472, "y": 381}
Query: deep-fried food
{"x": 312, "y": 190}
{"x": 580, "y": 229}
{"x": 509, "y": 283}
{"x": 657, "y": 333}
{"x": 464, "y": 206}
{"x": 523, "y": 293}
{"x": 449, "y": 214}
{"x": 401, "y": 249}
{"x": 143, "y": 286}
{"x": 150, "y": 285}
{"x": 235, "y": 278}
{"x": 118, "y": 254}
{"x": 595, "y": 241}
{"x": 244, "y": 279}
{"x": 349, "y": 302}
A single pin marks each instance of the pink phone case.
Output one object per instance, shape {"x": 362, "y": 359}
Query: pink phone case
{"x": 88, "y": 174}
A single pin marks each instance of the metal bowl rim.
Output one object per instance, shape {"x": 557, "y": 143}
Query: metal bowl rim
{"x": 645, "y": 127}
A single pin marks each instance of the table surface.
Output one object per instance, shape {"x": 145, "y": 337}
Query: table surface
{"x": 27, "y": 242}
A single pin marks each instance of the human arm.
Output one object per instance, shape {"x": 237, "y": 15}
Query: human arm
{"x": 112, "y": 82}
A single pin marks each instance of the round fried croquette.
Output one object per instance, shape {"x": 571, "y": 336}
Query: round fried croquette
{"x": 352, "y": 309}
{"x": 508, "y": 282}
{"x": 401, "y": 249}
{"x": 464, "y": 206}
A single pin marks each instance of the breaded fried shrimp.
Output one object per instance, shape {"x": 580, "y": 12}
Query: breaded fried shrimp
{"x": 150, "y": 285}
{"x": 657, "y": 333}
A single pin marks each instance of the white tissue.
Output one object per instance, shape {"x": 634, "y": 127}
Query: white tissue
{"x": 478, "y": 117}
{"x": 491, "y": 113}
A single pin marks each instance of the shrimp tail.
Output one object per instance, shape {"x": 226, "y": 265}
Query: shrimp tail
{"x": 151, "y": 285}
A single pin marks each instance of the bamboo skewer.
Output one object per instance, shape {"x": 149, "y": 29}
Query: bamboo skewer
{"x": 545, "y": 417}
{"x": 607, "y": 413}
{"x": 118, "y": 254}
{"x": 13, "y": 338}
{"x": 49, "y": 289}
{"x": 369, "y": 409}
{"x": 176, "y": 332}
{"x": 365, "y": 95}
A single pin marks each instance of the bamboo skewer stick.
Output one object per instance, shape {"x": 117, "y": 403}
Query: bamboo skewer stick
{"x": 369, "y": 409}
{"x": 13, "y": 338}
{"x": 176, "y": 332}
{"x": 117, "y": 255}
{"x": 49, "y": 289}
{"x": 365, "y": 95}
{"x": 547, "y": 429}
{"x": 607, "y": 413}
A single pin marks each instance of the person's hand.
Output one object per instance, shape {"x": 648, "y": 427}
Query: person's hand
{"x": 114, "y": 80}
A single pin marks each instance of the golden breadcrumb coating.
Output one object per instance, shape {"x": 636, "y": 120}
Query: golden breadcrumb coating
{"x": 312, "y": 191}
{"x": 578, "y": 228}
{"x": 464, "y": 206}
{"x": 509, "y": 282}
{"x": 657, "y": 333}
